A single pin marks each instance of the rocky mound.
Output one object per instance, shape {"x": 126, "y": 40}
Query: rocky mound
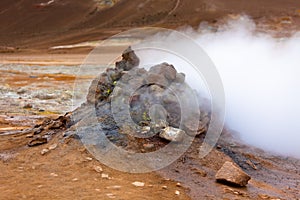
{"x": 135, "y": 107}
{"x": 130, "y": 102}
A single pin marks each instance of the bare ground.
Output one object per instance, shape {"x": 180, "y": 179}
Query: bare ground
{"x": 27, "y": 31}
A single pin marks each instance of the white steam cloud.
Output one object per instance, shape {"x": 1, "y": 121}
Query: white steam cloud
{"x": 261, "y": 78}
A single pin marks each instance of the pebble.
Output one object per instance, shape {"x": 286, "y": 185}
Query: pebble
{"x": 44, "y": 151}
{"x": 177, "y": 192}
{"x": 28, "y": 106}
{"x": 116, "y": 187}
{"x": 75, "y": 179}
{"x": 52, "y": 147}
{"x": 53, "y": 174}
{"x": 178, "y": 184}
{"x": 88, "y": 158}
{"x": 172, "y": 134}
{"x": 165, "y": 187}
{"x": 98, "y": 169}
{"x": 105, "y": 176}
{"x": 148, "y": 146}
{"x": 37, "y": 142}
{"x": 138, "y": 184}
{"x": 110, "y": 195}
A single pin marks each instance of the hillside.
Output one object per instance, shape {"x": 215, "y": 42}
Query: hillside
{"x": 40, "y": 24}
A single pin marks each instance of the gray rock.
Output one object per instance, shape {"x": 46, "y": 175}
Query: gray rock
{"x": 172, "y": 134}
{"x": 129, "y": 60}
{"x": 180, "y": 78}
{"x": 157, "y": 126}
{"x": 166, "y": 70}
{"x": 158, "y": 79}
{"x": 231, "y": 174}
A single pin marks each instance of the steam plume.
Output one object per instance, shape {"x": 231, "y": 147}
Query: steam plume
{"x": 261, "y": 77}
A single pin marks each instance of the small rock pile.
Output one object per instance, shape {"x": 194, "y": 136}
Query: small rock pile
{"x": 42, "y": 133}
{"x": 150, "y": 99}
{"x": 153, "y": 96}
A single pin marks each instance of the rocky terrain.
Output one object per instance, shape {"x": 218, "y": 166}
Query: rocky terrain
{"x": 43, "y": 150}
{"x": 49, "y": 161}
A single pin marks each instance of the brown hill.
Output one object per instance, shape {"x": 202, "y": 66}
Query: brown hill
{"x": 38, "y": 24}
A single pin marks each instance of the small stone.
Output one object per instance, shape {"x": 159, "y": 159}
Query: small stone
{"x": 231, "y": 174}
{"x": 138, "y": 184}
{"x": 89, "y": 158}
{"x": 56, "y": 125}
{"x": 165, "y": 187}
{"x": 98, "y": 169}
{"x": 148, "y": 146}
{"x": 44, "y": 151}
{"x": 53, "y": 174}
{"x": 177, "y": 192}
{"x": 75, "y": 179}
{"x": 116, "y": 187}
{"x": 172, "y": 134}
{"x": 146, "y": 128}
{"x": 178, "y": 184}
{"x": 105, "y": 176}
{"x": 52, "y": 147}
{"x": 110, "y": 195}
{"x": 37, "y": 142}
{"x": 28, "y": 106}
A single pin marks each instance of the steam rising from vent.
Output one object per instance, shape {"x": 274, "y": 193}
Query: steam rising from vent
{"x": 261, "y": 77}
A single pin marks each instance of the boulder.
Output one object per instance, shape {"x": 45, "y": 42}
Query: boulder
{"x": 232, "y": 175}
{"x": 157, "y": 79}
{"x": 165, "y": 69}
{"x": 129, "y": 60}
